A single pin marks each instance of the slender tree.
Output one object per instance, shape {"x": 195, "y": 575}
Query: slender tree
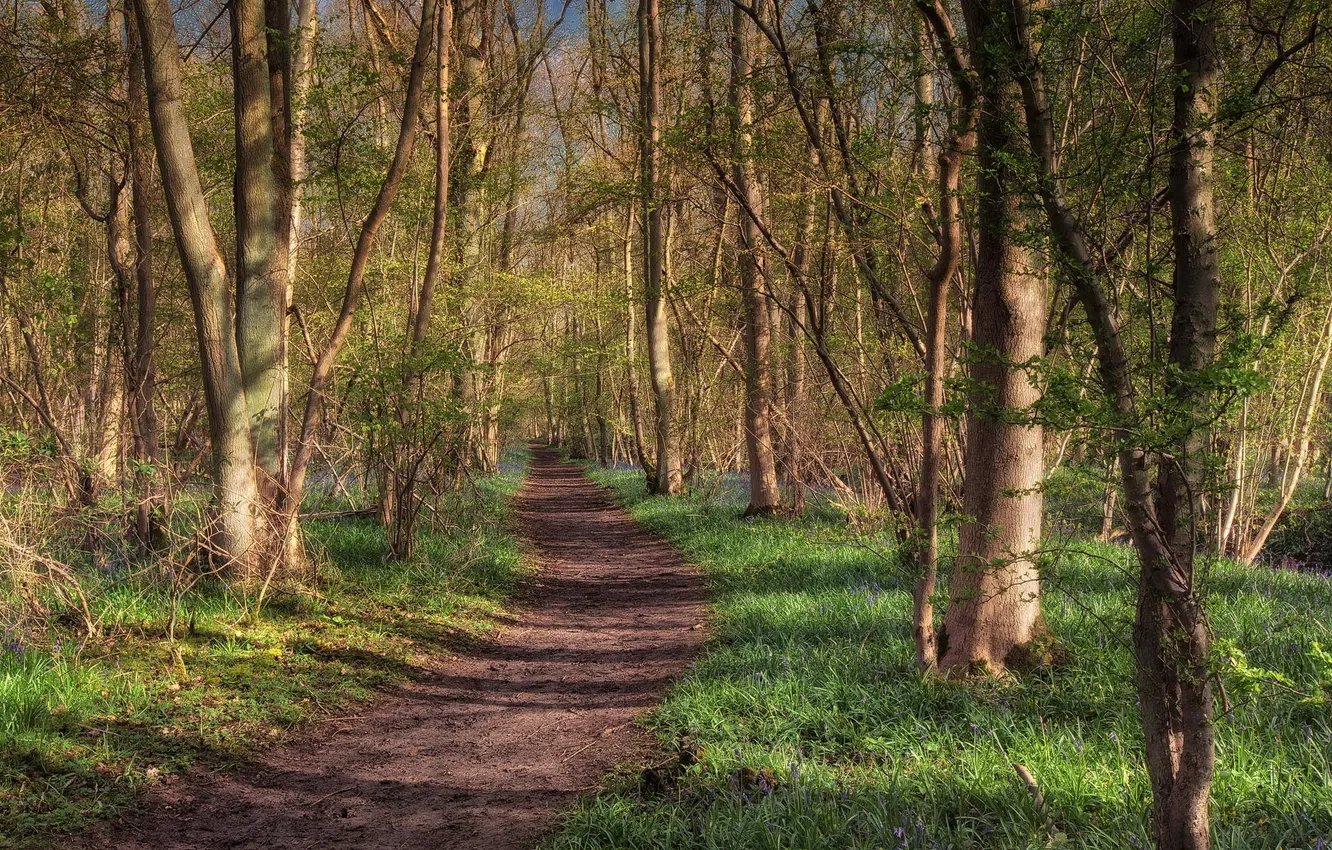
{"x": 669, "y": 477}
{"x": 354, "y": 287}
{"x": 764, "y": 496}
{"x": 407, "y": 467}
{"x": 947, "y": 171}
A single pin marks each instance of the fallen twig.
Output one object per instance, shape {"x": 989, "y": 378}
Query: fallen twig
{"x": 1037, "y": 796}
{"x": 330, "y": 794}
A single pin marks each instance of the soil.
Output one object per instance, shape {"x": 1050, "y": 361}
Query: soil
{"x": 487, "y": 749}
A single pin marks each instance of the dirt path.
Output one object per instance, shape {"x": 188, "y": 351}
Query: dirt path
{"x": 489, "y": 748}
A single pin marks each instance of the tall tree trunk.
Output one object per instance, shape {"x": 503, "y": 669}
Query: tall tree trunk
{"x": 764, "y": 496}
{"x": 995, "y": 601}
{"x": 605, "y": 450}
{"x": 473, "y": 31}
{"x": 130, "y": 259}
{"x": 278, "y": 33}
{"x": 262, "y": 229}
{"x": 669, "y": 476}
{"x": 121, "y": 258}
{"x": 206, "y": 275}
{"x": 141, "y": 371}
{"x": 1170, "y": 637}
{"x": 302, "y": 64}
{"x": 791, "y": 460}
{"x": 947, "y": 173}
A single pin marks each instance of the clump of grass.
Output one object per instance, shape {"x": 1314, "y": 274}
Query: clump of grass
{"x": 85, "y": 725}
{"x": 810, "y": 677}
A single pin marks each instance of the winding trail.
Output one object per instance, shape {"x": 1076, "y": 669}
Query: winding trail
{"x": 488, "y": 749}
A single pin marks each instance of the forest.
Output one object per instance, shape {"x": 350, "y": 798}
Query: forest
{"x": 668, "y": 423}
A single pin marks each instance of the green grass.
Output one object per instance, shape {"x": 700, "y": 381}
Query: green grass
{"x": 85, "y": 728}
{"x": 809, "y": 676}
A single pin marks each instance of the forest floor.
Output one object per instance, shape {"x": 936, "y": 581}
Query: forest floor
{"x": 486, "y": 749}
{"x": 812, "y": 729}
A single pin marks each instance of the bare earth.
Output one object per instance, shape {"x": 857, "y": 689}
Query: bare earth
{"x": 487, "y": 750}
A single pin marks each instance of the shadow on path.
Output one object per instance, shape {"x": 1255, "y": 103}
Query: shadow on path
{"x": 491, "y": 747}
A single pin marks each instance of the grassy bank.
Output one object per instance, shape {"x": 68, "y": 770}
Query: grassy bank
{"x": 86, "y": 726}
{"x": 816, "y": 731}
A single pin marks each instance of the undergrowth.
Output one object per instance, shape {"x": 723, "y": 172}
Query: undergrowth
{"x": 86, "y": 725}
{"x": 812, "y": 729}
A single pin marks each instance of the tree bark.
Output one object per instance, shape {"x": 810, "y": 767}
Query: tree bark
{"x": 947, "y": 173}
{"x": 142, "y": 371}
{"x": 145, "y": 370}
{"x": 791, "y": 460}
{"x": 472, "y": 28}
{"x": 764, "y": 495}
{"x": 1170, "y": 636}
{"x": 130, "y": 252}
{"x": 206, "y": 275}
{"x": 302, "y": 62}
{"x": 669, "y": 475}
{"x": 995, "y": 600}
{"x": 647, "y": 464}
{"x": 262, "y": 229}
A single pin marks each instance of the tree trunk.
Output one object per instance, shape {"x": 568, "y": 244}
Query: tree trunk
{"x": 605, "y": 451}
{"x": 1226, "y": 529}
{"x": 302, "y": 61}
{"x": 262, "y": 229}
{"x": 1170, "y": 638}
{"x": 134, "y": 272}
{"x": 472, "y": 28}
{"x": 947, "y": 173}
{"x": 995, "y": 601}
{"x": 792, "y": 459}
{"x": 647, "y": 464}
{"x": 669, "y": 476}
{"x": 1108, "y": 500}
{"x": 144, "y": 390}
{"x": 764, "y": 496}
{"x": 206, "y": 276}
